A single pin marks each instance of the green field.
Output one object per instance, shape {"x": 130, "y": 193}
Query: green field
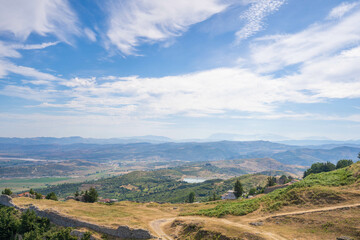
{"x": 24, "y": 184}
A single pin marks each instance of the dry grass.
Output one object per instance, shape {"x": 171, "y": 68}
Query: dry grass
{"x": 135, "y": 215}
{"x": 317, "y": 226}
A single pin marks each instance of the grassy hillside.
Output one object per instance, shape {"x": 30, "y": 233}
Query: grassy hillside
{"x": 314, "y": 189}
{"x": 161, "y": 186}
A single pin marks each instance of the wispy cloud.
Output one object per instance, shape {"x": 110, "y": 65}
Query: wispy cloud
{"x": 255, "y": 16}
{"x": 134, "y": 22}
{"x": 22, "y": 17}
{"x": 319, "y": 40}
{"x": 342, "y": 9}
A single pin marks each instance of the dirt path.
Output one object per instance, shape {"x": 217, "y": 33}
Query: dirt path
{"x": 157, "y": 225}
{"x": 325, "y": 209}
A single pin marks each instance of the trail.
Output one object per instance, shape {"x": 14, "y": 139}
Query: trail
{"x": 157, "y": 225}
{"x": 325, "y": 209}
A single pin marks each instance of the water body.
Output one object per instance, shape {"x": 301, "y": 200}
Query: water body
{"x": 194, "y": 180}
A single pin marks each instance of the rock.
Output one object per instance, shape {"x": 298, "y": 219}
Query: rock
{"x": 344, "y": 238}
{"x": 257, "y": 224}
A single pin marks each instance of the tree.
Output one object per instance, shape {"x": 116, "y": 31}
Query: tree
{"x": 191, "y": 197}
{"x": 38, "y": 195}
{"x": 32, "y": 191}
{"x": 91, "y": 195}
{"x": 238, "y": 189}
{"x": 344, "y": 163}
{"x": 283, "y": 179}
{"x": 51, "y": 196}
{"x": 76, "y": 194}
{"x": 359, "y": 156}
{"x": 320, "y": 167}
{"x": 271, "y": 181}
{"x": 7, "y": 191}
{"x": 252, "y": 191}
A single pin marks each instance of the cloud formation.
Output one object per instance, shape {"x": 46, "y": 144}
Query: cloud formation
{"x": 22, "y": 17}
{"x": 255, "y": 16}
{"x": 134, "y": 22}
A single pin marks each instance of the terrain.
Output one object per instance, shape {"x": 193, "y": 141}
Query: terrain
{"x": 161, "y": 186}
{"x": 322, "y": 206}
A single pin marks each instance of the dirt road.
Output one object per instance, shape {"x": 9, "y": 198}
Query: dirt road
{"x": 157, "y": 225}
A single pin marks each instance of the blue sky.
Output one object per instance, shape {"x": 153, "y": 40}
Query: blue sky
{"x": 182, "y": 69}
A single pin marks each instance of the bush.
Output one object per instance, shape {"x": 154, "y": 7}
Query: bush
{"x": 7, "y": 191}
{"x": 320, "y": 167}
{"x": 344, "y": 163}
{"x": 91, "y": 195}
{"x": 51, "y": 196}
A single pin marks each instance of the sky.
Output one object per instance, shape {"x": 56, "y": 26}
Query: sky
{"x": 182, "y": 69}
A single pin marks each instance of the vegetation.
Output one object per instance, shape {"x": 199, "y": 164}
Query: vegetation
{"x": 271, "y": 181}
{"x": 51, "y": 196}
{"x": 320, "y": 167}
{"x": 91, "y": 195}
{"x": 238, "y": 189}
{"x": 14, "y": 224}
{"x": 159, "y": 186}
{"x": 7, "y": 191}
{"x": 344, "y": 163}
{"x": 191, "y": 198}
{"x": 314, "y": 189}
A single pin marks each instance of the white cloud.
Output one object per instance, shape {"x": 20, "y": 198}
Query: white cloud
{"x": 35, "y": 46}
{"x": 323, "y": 40}
{"x": 342, "y": 9}
{"x": 22, "y": 17}
{"x": 132, "y": 22}
{"x": 255, "y": 15}
{"x": 90, "y": 34}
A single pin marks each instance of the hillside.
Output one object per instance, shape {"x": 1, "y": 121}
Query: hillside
{"x": 322, "y": 206}
{"x": 151, "y": 155}
{"x": 161, "y": 186}
{"x": 328, "y": 187}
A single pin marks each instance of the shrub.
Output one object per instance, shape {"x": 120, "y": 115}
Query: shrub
{"x": 51, "y": 196}
{"x": 344, "y": 163}
{"x": 7, "y": 191}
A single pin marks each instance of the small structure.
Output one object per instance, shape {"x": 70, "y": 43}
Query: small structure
{"x": 27, "y": 194}
{"x": 105, "y": 200}
{"x": 229, "y": 195}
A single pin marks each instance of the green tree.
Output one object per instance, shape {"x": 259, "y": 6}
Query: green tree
{"x": 191, "y": 197}
{"x": 91, "y": 195}
{"x": 32, "y": 191}
{"x": 238, "y": 189}
{"x": 283, "y": 179}
{"x": 271, "y": 181}
{"x": 77, "y": 194}
{"x": 9, "y": 222}
{"x": 252, "y": 191}
{"x": 320, "y": 167}
{"x": 51, "y": 196}
{"x": 7, "y": 191}
{"x": 38, "y": 195}
{"x": 344, "y": 163}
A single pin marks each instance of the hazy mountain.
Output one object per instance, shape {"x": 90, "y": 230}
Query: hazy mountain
{"x": 76, "y": 139}
{"x": 240, "y": 137}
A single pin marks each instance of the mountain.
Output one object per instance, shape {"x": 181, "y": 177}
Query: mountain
{"x": 241, "y": 137}
{"x": 76, "y": 139}
{"x": 143, "y": 151}
{"x": 306, "y": 156}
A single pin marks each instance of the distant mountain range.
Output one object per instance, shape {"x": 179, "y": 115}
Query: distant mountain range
{"x": 102, "y": 150}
